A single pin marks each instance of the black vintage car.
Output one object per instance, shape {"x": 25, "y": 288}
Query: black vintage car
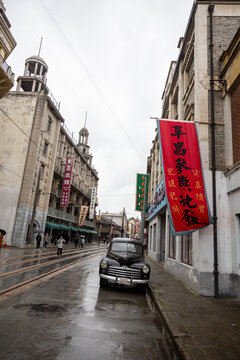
{"x": 124, "y": 264}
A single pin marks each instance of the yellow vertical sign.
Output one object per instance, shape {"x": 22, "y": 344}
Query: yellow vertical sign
{"x": 82, "y": 215}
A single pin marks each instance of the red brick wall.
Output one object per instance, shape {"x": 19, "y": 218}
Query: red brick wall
{"x": 235, "y": 107}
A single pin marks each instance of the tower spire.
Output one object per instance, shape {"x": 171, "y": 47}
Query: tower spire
{"x": 85, "y": 119}
{"x": 40, "y": 46}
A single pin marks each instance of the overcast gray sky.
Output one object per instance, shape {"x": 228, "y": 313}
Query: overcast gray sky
{"x": 111, "y": 59}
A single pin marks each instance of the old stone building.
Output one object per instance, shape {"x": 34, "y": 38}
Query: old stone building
{"x": 33, "y": 155}
{"x": 84, "y": 178}
{"x": 7, "y": 44}
{"x": 193, "y": 92}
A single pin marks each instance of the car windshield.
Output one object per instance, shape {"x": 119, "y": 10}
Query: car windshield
{"x": 127, "y": 247}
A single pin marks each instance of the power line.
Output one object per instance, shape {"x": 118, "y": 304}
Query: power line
{"x": 2, "y": 166}
{"x": 54, "y": 21}
{"x": 116, "y": 195}
{"x": 37, "y": 146}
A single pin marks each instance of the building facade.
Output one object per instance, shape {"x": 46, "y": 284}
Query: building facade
{"x": 187, "y": 96}
{"x": 133, "y": 228}
{"x": 7, "y": 44}
{"x": 84, "y": 178}
{"x": 32, "y": 159}
{"x": 120, "y": 219}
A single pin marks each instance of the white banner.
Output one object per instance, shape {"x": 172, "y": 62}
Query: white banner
{"x": 92, "y": 203}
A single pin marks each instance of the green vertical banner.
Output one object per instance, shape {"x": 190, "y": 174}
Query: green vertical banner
{"x": 140, "y": 191}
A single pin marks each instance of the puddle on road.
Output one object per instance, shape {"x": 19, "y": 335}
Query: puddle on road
{"x": 41, "y": 309}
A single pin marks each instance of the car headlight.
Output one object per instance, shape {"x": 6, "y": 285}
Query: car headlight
{"x": 103, "y": 264}
{"x": 145, "y": 269}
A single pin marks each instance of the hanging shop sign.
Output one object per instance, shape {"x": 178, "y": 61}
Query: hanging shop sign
{"x": 137, "y": 226}
{"x": 66, "y": 182}
{"x": 92, "y": 203}
{"x": 184, "y": 183}
{"x": 82, "y": 215}
{"x": 160, "y": 200}
{"x": 140, "y": 191}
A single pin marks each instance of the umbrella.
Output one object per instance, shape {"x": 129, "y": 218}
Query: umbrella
{"x": 3, "y": 232}
{"x": 38, "y": 232}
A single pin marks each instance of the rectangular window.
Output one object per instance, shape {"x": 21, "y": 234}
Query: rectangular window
{"x": 154, "y": 236}
{"x": 49, "y": 124}
{"x": 45, "y": 149}
{"x": 186, "y": 246}
{"x": 172, "y": 245}
{"x": 235, "y": 123}
{"x": 42, "y": 170}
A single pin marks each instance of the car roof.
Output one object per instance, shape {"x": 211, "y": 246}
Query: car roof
{"x": 132, "y": 241}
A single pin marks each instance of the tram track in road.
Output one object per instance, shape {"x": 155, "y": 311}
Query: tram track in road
{"x": 42, "y": 253}
{"x": 32, "y": 267}
{"x": 42, "y": 256}
{"x": 53, "y": 272}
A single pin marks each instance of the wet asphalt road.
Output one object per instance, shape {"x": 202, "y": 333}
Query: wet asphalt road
{"x": 70, "y": 317}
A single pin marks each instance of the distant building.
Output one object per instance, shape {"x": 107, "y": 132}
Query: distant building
{"x": 33, "y": 156}
{"x": 107, "y": 228}
{"x": 119, "y": 218}
{"x": 134, "y": 228}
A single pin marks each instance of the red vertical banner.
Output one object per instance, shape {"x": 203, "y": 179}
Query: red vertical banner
{"x": 184, "y": 183}
{"x": 67, "y": 182}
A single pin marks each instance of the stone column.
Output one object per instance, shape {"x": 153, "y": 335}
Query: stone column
{"x": 26, "y": 69}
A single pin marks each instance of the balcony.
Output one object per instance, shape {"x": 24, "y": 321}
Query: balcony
{"x": 6, "y": 79}
{"x": 58, "y": 214}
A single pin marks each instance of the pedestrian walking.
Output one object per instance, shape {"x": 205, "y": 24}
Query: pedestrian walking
{"x": 76, "y": 240}
{"x": 60, "y": 243}
{"x": 82, "y": 240}
{"x": 1, "y": 239}
{"x": 46, "y": 241}
{"x": 38, "y": 240}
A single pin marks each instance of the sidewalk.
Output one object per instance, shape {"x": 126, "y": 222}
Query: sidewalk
{"x": 201, "y": 327}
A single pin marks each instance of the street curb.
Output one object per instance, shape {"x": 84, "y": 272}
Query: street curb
{"x": 179, "y": 349}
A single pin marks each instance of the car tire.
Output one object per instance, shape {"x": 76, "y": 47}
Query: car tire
{"x": 103, "y": 283}
{"x": 142, "y": 289}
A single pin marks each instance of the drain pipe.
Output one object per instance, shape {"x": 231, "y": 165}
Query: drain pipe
{"x": 215, "y": 243}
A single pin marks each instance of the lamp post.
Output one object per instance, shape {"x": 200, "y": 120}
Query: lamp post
{"x": 122, "y": 229}
{"x": 215, "y": 242}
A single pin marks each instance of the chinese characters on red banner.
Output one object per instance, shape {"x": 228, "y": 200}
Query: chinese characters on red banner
{"x": 67, "y": 182}
{"x": 185, "y": 189}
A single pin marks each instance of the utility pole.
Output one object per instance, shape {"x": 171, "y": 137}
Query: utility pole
{"x": 122, "y": 229}
{"x": 99, "y": 222}
{"x": 215, "y": 241}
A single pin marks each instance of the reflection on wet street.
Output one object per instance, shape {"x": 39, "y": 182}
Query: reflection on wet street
{"x": 70, "y": 317}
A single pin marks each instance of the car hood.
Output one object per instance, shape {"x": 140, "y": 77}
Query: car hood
{"x": 126, "y": 259}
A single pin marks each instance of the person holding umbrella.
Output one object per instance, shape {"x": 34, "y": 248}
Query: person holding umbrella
{"x": 38, "y": 240}
{"x": 60, "y": 243}
{"x": 2, "y": 233}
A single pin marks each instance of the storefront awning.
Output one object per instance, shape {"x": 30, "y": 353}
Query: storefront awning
{"x": 51, "y": 225}
{"x": 73, "y": 228}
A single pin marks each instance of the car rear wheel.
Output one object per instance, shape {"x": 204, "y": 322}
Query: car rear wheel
{"x": 103, "y": 283}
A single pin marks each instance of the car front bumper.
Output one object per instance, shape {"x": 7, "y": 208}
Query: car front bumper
{"x": 123, "y": 280}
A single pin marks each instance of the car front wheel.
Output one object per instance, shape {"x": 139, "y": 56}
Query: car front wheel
{"x": 103, "y": 283}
